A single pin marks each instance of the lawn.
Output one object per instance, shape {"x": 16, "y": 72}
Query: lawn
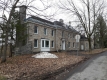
{"x": 25, "y": 67}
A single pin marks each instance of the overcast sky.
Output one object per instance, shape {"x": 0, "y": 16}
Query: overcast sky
{"x": 58, "y": 14}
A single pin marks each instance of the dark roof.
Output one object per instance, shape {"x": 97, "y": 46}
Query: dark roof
{"x": 58, "y": 23}
{"x": 54, "y": 24}
{"x": 83, "y": 37}
{"x": 40, "y": 19}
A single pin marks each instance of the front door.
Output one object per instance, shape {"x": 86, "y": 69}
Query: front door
{"x": 63, "y": 45}
{"x": 82, "y": 47}
{"x": 45, "y": 45}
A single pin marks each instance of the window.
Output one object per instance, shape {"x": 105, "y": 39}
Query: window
{"x": 52, "y": 32}
{"x": 35, "y": 29}
{"x": 74, "y": 44}
{"x": 62, "y": 33}
{"x": 86, "y": 44}
{"x": 35, "y": 43}
{"x": 73, "y": 35}
{"x": 47, "y": 43}
{"x": 52, "y": 44}
{"x": 69, "y": 35}
{"x": 69, "y": 44}
{"x": 42, "y": 43}
{"x": 45, "y": 31}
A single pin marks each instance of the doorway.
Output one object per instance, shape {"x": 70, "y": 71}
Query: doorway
{"x": 63, "y": 45}
{"x": 45, "y": 45}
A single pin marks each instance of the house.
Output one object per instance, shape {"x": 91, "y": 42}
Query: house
{"x": 45, "y": 35}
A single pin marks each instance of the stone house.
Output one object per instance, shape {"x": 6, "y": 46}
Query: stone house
{"x": 84, "y": 44}
{"x": 45, "y": 35}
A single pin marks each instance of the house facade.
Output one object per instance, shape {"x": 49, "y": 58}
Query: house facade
{"x": 44, "y": 35}
{"x": 50, "y": 36}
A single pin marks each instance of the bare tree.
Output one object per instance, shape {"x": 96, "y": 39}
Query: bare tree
{"x": 86, "y": 13}
{"x": 8, "y": 8}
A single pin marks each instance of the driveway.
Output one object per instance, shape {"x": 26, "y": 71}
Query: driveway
{"x": 93, "y": 69}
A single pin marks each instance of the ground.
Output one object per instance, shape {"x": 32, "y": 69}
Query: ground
{"x": 25, "y": 67}
{"x": 94, "y": 68}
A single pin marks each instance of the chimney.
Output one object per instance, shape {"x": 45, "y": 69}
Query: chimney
{"x": 22, "y": 11}
{"x": 61, "y": 21}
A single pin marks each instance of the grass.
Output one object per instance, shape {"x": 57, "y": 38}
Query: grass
{"x": 2, "y": 77}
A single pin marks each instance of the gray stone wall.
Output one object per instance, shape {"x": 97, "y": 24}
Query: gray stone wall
{"x": 85, "y": 44}
{"x": 27, "y": 49}
{"x": 67, "y": 38}
{"x": 57, "y": 38}
{"x": 40, "y": 36}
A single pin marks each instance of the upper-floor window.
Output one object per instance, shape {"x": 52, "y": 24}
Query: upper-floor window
{"x": 73, "y": 35}
{"x": 52, "y": 32}
{"x": 35, "y": 43}
{"x": 45, "y": 31}
{"x": 36, "y": 29}
{"x": 62, "y": 33}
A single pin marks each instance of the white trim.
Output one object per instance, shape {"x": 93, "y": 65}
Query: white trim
{"x": 63, "y": 45}
{"x": 45, "y": 48}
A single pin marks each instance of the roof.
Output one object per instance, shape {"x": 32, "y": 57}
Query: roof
{"x": 55, "y": 24}
{"x": 83, "y": 37}
{"x": 43, "y": 20}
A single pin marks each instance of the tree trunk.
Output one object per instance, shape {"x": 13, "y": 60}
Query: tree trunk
{"x": 3, "y": 58}
{"x": 10, "y": 54}
{"x": 89, "y": 40}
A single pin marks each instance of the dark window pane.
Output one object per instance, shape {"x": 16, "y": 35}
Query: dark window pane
{"x": 62, "y": 33}
{"x": 35, "y": 29}
{"x": 52, "y": 32}
{"x": 68, "y": 44}
{"x": 42, "y": 43}
{"x": 35, "y": 43}
{"x": 45, "y": 31}
{"x": 73, "y": 44}
{"x": 47, "y": 43}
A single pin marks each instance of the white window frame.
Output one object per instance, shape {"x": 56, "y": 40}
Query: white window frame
{"x": 52, "y": 43}
{"x": 34, "y": 29}
{"x": 37, "y": 43}
{"x": 46, "y": 31}
{"x": 44, "y": 43}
